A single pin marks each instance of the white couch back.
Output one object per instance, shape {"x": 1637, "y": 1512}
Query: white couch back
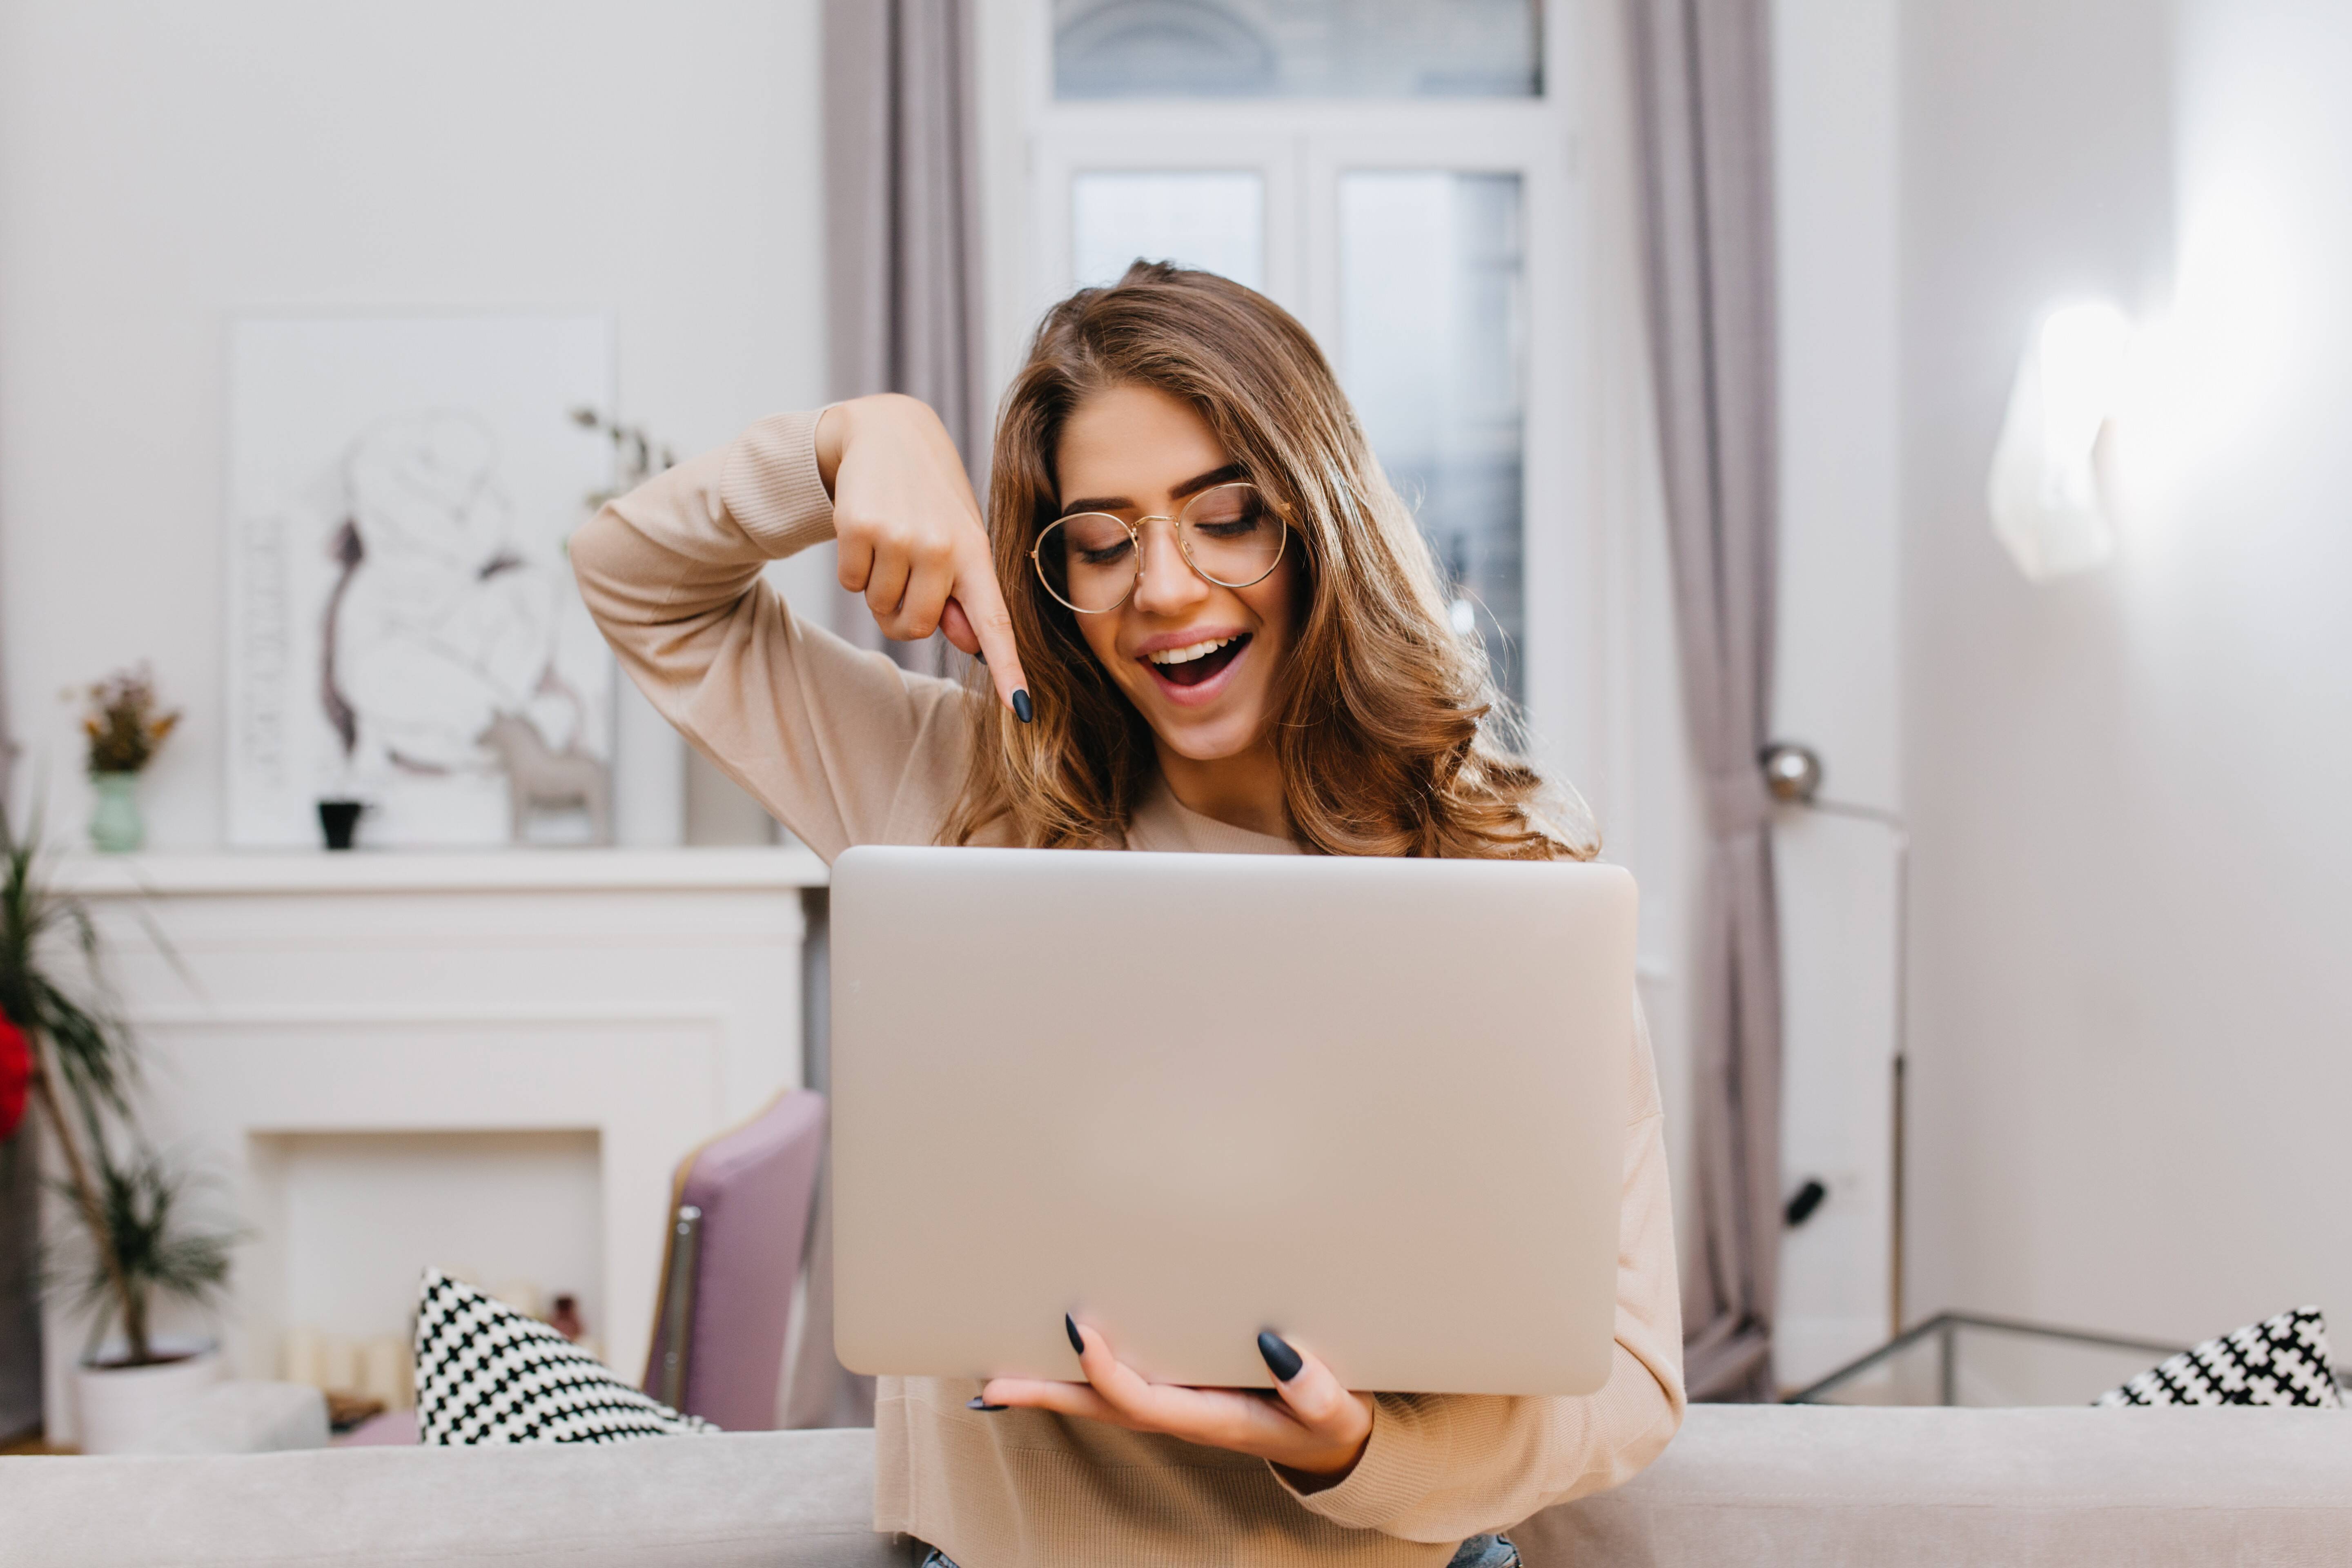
{"x": 1757, "y": 1486}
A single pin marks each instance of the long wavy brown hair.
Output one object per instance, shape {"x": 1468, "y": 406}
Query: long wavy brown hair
{"x": 1392, "y": 737}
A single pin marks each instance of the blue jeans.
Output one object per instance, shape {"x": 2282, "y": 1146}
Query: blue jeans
{"x": 1478, "y": 1552}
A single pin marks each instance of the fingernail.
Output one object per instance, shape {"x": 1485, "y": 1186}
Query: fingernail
{"x": 1280, "y": 1359}
{"x": 1071, "y": 1324}
{"x": 1021, "y": 709}
{"x": 981, "y": 655}
{"x": 978, "y": 1404}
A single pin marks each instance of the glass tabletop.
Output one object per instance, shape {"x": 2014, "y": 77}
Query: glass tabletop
{"x": 1960, "y": 1358}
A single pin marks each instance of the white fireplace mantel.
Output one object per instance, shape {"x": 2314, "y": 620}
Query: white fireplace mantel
{"x": 408, "y": 871}
{"x": 646, "y": 997}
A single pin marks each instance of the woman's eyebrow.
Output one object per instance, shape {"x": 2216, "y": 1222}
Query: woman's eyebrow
{"x": 1223, "y": 476}
{"x": 1193, "y": 486}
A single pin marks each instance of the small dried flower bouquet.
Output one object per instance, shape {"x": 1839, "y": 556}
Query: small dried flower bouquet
{"x": 125, "y": 721}
{"x": 125, "y": 724}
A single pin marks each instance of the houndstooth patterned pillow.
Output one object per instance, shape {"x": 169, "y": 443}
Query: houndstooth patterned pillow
{"x": 2279, "y": 1361}
{"x": 487, "y": 1374}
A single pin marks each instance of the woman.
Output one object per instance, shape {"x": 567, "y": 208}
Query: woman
{"x": 1209, "y": 625}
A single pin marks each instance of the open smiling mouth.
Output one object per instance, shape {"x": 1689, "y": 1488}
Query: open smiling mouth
{"x": 1198, "y": 663}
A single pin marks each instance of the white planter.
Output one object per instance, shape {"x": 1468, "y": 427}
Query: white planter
{"x": 117, "y": 1406}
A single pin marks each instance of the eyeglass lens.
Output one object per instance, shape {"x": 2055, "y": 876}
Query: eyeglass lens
{"x": 1229, "y": 535}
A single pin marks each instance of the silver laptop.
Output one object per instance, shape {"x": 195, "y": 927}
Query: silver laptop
{"x": 1377, "y": 1106}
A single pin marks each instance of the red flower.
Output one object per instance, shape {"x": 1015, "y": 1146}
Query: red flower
{"x": 15, "y": 1073}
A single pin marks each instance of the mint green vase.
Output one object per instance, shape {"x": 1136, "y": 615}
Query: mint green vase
{"x": 116, "y": 826}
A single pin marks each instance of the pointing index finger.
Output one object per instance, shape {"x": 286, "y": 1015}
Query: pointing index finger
{"x": 991, "y": 623}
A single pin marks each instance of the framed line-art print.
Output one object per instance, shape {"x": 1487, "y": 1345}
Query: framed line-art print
{"x": 403, "y": 627}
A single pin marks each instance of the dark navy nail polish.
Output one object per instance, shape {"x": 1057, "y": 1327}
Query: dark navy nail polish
{"x": 1071, "y": 1324}
{"x": 1021, "y": 709}
{"x": 1280, "y": 1359}
{"x": 978, "y": 1404}
{"x": 981, "y": 654}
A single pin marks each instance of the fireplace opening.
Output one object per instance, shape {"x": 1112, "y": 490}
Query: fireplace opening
{"x": 347, "y": 1222}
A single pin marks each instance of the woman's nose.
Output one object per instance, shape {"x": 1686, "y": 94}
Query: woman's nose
{"x": 1168, "y": 585}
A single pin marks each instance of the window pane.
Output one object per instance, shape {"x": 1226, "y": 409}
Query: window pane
{"x": 1297, "y": 48}
{"x": 1432, "y": 325}
{"x": 1209, "y": 218}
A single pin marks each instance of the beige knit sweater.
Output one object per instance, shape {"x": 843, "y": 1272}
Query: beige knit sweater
{"x": 844, "y": 748}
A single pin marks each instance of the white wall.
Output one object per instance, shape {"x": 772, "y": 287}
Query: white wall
{"x": 2129, "y": 788}
{"x": 163, "y": 166}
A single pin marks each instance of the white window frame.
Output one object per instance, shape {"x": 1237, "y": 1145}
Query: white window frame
{"x": 1300, "y": 147}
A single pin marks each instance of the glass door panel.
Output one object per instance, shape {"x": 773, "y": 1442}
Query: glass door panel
{"x": 1297, "y": 48}
{"x": 1432, "y": 332}
{"x": 1210, "y": 218}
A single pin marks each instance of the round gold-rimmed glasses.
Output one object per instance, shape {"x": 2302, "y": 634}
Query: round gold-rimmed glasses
{"x": 1230, "y": 534}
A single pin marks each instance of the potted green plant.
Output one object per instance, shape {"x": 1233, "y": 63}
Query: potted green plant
{"x": 151, "y": 1251}
{"x": 125, "y": 724}
{"x": 137, "y": 1239}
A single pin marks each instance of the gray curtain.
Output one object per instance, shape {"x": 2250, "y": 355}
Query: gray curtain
{"x": 902, "y": 227}
{"x": 1702, "y": 72}
{"x": 903, "y": 293}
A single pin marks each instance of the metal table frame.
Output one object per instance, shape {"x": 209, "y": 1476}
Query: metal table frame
{"x": 1944, "y": 1328}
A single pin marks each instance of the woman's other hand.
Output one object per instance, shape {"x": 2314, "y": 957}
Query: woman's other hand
{"x": 1316, "y": 1430}
{"x": 911, "y": 533}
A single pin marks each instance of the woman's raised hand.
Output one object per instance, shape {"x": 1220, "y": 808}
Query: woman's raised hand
{"x": 911, "y": 533}
{"x": 1316, "y": 1430}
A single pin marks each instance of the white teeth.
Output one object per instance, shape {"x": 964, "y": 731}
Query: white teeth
{"x": 1187, "y": 655}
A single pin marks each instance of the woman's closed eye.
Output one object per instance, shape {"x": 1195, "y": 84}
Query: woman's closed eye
{"x": 1232, "y": 511}
{"x": 1095, "y": 539}
{"x": 1237, "y": 527}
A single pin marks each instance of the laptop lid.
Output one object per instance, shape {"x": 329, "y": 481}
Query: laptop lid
{"x": 1376, "y": 1105}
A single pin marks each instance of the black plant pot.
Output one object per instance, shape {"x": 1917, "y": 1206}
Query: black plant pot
{"x": 338, "y": 819}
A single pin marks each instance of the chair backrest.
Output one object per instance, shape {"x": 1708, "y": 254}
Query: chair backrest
{"x": 739, "y": 1223}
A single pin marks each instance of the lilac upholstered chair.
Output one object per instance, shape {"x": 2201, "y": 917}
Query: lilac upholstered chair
{"x": 739, "y": 1215}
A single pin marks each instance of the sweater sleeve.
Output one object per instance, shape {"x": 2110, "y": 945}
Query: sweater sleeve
{"x": 840, "y": 745}
{"x": 1442, "y": 1467}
